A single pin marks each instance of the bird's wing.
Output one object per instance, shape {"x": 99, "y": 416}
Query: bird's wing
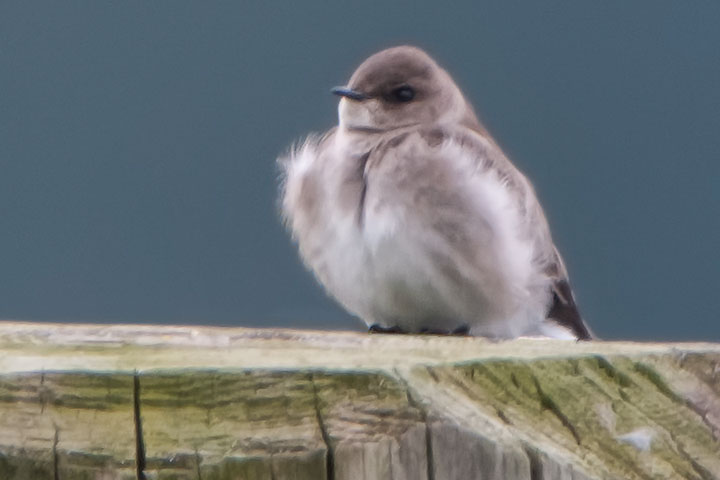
{"x": 563, "y": 309}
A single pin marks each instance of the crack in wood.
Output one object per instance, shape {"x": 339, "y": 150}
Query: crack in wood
{"x": 703, "y": 472}
{"x": 42, "y": 393}
{"x": 432, "y": 374}
{"x": 656, "y": 379}
{"x": 272, "y": 468}
{"x": 329, "y": 456}
{"x": 703, "y": 414}
{"x": 548, "y": 403}
{"x": 198, "y": 460}
{"x": 139, "y": 442}
{"x": 501, "y": 415}
{"x": 429, "y": 450}
{"x": 423, "y": 416}
{"x": 535, "y": 463}
{"x": 56, "y": 459}
{"x": 620, "y": 378}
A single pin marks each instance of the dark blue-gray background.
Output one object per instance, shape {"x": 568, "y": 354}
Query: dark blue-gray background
{"x": 138, "y": 144}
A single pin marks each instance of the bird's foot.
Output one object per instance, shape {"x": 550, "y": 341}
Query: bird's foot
{"x": 461, "y": 331}
{"x": 375, "y": 328}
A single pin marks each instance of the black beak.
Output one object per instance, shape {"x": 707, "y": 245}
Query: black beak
{"x": 349, "y": 93}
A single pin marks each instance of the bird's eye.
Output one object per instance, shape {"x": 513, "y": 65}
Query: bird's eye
{"x": 402, "y": 94}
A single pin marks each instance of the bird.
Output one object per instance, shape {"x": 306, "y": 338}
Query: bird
{"x": 412, "y": 217}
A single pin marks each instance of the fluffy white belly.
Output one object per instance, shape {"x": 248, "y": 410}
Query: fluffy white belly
{"x": 442, "y": 253}
{"x": 421, "y": 265}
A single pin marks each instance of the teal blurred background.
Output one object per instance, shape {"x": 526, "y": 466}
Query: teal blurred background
{"x": 138, "y": 144}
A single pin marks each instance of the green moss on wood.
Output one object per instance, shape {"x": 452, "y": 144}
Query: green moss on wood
{"x": 382, "y": 415}
{"x": 586, "y": 405}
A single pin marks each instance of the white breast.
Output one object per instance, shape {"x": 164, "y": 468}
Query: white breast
{"x": 397, "y": 265}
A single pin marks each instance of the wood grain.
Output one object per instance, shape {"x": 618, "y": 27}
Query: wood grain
{"x": 197, "y": 403}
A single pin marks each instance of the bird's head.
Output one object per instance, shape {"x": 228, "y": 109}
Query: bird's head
{"x": 399, "y": 87}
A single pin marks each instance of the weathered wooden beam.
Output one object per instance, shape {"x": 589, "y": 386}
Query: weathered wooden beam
{"x": 128, "y": 402}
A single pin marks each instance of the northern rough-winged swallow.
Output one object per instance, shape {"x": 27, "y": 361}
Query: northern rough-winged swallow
{"x": 412, "y": 217}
